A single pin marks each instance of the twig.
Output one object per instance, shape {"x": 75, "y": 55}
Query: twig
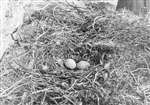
{"x": 55, "y": 16}
{"x": 41, "y": 35}
{"x": 65, "y": 96}
{"x": 12, "y": 88}
{"x": 13, "y": 33}
{"x": 43, "y": 90}
{"x": 45, "y": 93}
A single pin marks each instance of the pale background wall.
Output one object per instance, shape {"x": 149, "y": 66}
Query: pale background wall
{"x": 11, "y": 13}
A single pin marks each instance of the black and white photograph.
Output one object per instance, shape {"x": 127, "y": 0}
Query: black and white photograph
{"x": 74, "y": 52}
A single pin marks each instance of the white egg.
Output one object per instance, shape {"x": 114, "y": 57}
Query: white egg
{"x": 45, "y": 67}
{"x": 83, "y": 65}
{"x": 70, "y": 64}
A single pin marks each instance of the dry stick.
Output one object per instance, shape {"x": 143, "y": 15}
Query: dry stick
{"x": 23, "y": 98}
{"x": 15, "y": 85}
{"x": 148, "y": 50}
{"x": 55, "y": 16}
{"x": 42, "y": 103}
{"x": 55, "y": 19}
{"x": 32, "y": 89}
{"x": 147, "y": 64}
{"x": 5, "y": 72}
{"x": 41, "y": 35}
{"x": 83, "y": 77}
{"x": 138, "y": 69}
{"x": 13, "y": 33}
{"x": 50, "y": 98}
{"x": 98, "y": 100}
{"x": 20, "y": 55}
{"x": 43, "y": 8}
{"x": 69, "y": 99}
{"x": 43, "y": 90}
{"x": 3, "y": 56}
{"x": 71, "y": 87}
{"x": 75, "y": 6}
{"x": 95, "y": 20}
{"x": 95, "y": 78}
{"x": 24, "y": 68}
{"x": 147, "y": 97}
{"x": 55, "y": 101}
{"x": 132, "y": 75}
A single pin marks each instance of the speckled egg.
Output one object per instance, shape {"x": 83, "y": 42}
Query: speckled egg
{"x": 83, "y": 65}
{"x": 70, "y": 63}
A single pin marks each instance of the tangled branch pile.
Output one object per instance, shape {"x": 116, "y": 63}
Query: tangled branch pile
{"x": 116, "y": 45}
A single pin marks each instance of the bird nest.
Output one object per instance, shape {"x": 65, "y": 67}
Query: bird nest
{"x": 116, "y": 46}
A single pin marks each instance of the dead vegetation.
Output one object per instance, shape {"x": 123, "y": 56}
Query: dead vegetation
{"x": 116, "y": 45}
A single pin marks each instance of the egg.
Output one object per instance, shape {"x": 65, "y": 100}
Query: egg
{"x": 83, "y": 65}
{"x": 45, "y": 67}
{"x": 70, "y": 64}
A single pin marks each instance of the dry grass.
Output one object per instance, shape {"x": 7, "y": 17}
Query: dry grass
{"x": 117, "y": 45}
